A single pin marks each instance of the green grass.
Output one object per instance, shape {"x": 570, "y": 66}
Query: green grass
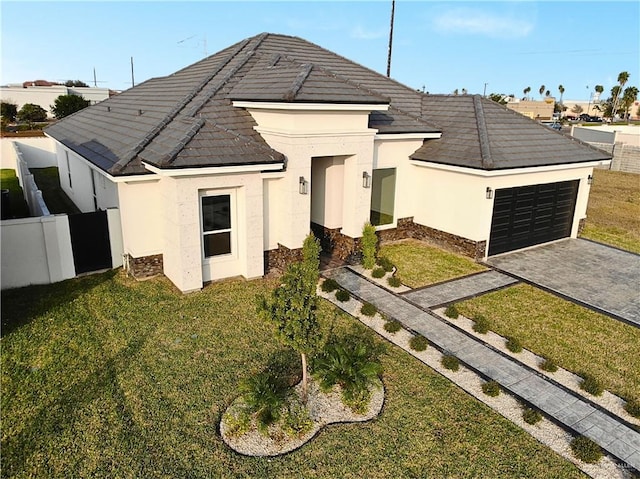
{"x": 577, "y": 338}
{"x": 9, "y": 181}
{"x": 613, "y": 212}
{"x": 103, "y": 376}
{"x": 420, "y": 264}
{"x": 55, "y": 198}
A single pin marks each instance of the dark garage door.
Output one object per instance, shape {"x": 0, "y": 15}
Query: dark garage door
{"x": 530, "y": 215}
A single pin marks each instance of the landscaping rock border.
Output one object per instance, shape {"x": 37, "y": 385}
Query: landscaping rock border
{"x": 324, "y": 409}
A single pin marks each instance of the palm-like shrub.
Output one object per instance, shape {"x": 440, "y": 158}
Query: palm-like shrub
{"x": 354, "y": 367}
{"x": 264, "y": 396}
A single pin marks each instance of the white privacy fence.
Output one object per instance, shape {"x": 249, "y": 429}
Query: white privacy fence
{"x": 40, "y": 250}
{"x": 32, "y": 194}
{"x": 44, "y": 249}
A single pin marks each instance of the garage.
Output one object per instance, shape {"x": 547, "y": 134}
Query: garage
{"x": 529, "y": 215}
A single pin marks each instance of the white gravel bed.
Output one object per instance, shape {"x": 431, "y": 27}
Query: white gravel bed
{"x": 323, "y": 409}
{"x": 545, "y": 431}
{"x": 358, "y": 268}
{"x": 607, "y": 400}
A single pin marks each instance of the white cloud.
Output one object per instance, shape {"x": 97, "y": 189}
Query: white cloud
{"x": 477, "y": 22}
{"x": 360, "y": 33}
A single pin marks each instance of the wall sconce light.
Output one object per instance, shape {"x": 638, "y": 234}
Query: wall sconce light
{"x": 303, "y": 186}
{"x": 489, "y": 193}
{"x": 366, "y": 180}
{"x": 590, "y": 179}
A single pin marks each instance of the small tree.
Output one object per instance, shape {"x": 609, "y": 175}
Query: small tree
{"x": 30, "y": 113}
{"x": 369, "y": 240}
{"x": 292, "y": 306}
{"x": 66, "y": 105}
{"x": 8, "y": 111}
{"x": 577, "y": 109}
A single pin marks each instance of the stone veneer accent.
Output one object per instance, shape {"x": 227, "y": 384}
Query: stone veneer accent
{"x": 408, "y": 229}
{"x": 280, "y": 257}
{"x": 145, "y": 266}
{"x": 581, "y": 225}
{"x": 339, "y": 246}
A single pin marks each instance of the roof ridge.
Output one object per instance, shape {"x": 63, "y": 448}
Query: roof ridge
{"x": 196, "y": 124}
{"x": 299, "y": 81}
{"x": 483, "y": 134}
{"x": 405, "y": 87}
{"x": 330, "y": 73}
{"x": 133, "y": 152}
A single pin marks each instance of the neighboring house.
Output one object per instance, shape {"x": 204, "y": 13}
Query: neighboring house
{"x": 536, "y": 110}
{"x": 39, "y": 93}
{"x": 222, "y": 168}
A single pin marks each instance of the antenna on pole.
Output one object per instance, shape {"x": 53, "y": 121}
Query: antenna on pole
{"x": 393, "y": 8}
{"x": 133, "y": 82}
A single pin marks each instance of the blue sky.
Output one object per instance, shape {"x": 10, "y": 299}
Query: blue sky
{"x": 439, "y": 45}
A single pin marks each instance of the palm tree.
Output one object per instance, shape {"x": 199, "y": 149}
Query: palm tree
{"x": 628, "y": 97}
{"x": 623, "y": 77}
{"x": 526, "y": 92}
{"x": 541, "y": 90}
{"x": 561, "y": 90}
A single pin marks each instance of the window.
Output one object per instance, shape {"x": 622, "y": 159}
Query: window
{"x": 383, "y": 193}
{"x": 216, "y": 225}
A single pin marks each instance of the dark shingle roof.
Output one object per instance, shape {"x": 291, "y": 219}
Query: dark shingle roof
{"x": 187, "y": 119}
{"x": 480, "y": 133}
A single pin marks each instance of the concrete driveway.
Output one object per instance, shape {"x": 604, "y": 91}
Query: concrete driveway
{"x": 600, "y": 277}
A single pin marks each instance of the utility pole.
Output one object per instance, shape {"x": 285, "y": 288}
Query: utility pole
{"x": 393, "y": 8}
{"x": 133, "y": 82}
{"x": 95, "y": 81}
{"x": 484, "y": 94}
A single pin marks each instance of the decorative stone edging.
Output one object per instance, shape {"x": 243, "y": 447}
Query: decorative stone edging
{"x": 505, "y": 404}
{"x": 607, "y": 400}
{"x": 323, "y": 408}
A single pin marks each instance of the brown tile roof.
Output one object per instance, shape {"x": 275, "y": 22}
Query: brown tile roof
{"x": 187, "y": 119}
{"x": 482, "y": 134}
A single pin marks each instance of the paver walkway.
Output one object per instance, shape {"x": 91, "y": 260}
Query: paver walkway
{"x": 603, "y": 278}
{"x": 457, "y": 289}
{"x": 567, "y": 408}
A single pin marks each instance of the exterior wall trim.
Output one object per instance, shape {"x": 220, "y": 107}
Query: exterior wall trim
{"x": 509, "y": 172}
{"x": 269, "y": 105}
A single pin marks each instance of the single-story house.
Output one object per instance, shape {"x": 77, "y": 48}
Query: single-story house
{"x": 222, "y": 168}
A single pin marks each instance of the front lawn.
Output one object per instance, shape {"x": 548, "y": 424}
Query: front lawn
{"x": 613, "y": 213}
{"x": 420, "y": 264}
{"x": 577, "y": 338}
{"x": 103, "y": 376}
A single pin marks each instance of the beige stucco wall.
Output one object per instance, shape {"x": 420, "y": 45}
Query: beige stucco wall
{"x": 140, "y": 216}
{"x": 536, "y": 110}
{"x": 303, "y": 137}
{"x": 183, "y": 256}
{"x": 84, "y": 176}
{"x": 394, "y": 153}
{"x": 456, "y": 202}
